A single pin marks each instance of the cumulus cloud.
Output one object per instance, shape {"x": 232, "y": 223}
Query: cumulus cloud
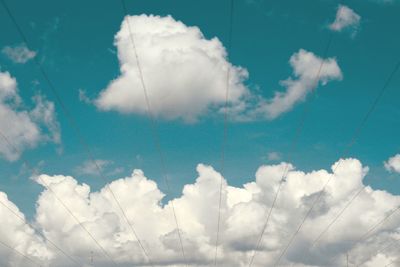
{"x": 19, "y": 53}
{"x": 184, "y": 72}
{"x": 393, "y": 164}
{"x": 346, "y": 18}
{"x": 185, "y": 75}
{"x": 24, "y": 128}
{"x": 243, "y": 213}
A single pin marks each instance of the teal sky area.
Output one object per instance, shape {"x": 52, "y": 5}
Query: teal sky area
{"x": 74, "y": 41}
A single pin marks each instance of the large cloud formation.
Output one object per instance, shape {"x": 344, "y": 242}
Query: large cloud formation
{"x": 243, "y": 214}
{"x": 24, "y": 128}
{"x": 186, "y": 75}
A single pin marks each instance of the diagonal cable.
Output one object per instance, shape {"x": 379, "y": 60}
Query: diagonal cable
{"x": 77, "y": 130}
{"x": 70, "y": 258}
{"x": 293, "y": 145}
{"x": 225, "y": 134}
{"x": 48, "y": 187}
{"x": 346, "y": 150}
{"x": 153, "y": 127}
{"x": 21, "y": 254}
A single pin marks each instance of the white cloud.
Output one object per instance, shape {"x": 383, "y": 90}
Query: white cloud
{"x": 91, "y": 167}
{"x": 24, "y": 128}
{"x": 185, "y": 75}
{"x": 184, "y": 72}
{"x": 309, "y": 71}
{"x": 393, "y": 164}
{"x": 242, "y": 216}
{"x": 19, "y": 53}
{"x": 345, "y": 18}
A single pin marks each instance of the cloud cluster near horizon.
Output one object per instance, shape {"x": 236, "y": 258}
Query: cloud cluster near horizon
{"x": 243, "y": 215}
{"x": 185, "y": 75}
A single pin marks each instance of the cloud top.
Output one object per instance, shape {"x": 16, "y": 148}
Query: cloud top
{"x": 243, "y": 213}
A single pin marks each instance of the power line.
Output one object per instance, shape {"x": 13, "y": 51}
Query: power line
{"x": 225, "y": 134}
{"x": 326, "y": 229}
{"x": 153, "y": 127}
{"x": 347, "y": 148}
{"x": 75, "y": 127}
{"x": 382, "y": 249}
{"x": 46, "y": 185}
{"x": 293, "y": 145}
{"x": 21, "y": 254}
{"x": 33, "y": 227}
{"x": 368, "y": 233}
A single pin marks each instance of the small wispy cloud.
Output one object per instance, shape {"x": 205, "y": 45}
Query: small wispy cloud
{"x": 346, "y": 18}
{"x": 393, "y": 164}
{"x": 18, "y": 54}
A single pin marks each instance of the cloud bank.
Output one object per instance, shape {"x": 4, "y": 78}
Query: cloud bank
{"x": 24, "y": 128}
{"x": 243, "y": 214}
{"x": 186, "y": 75}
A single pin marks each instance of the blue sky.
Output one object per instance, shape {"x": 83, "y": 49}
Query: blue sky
{"x": 74, "y": 41}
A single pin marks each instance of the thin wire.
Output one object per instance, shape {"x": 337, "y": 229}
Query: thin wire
{"x": 33, "y": 227}
{"x": 381, "y": 250}
{"x": 323, "y": 232}
{"x": 225, "y": 135}
{"x": 352, "y": 142}
{"x": 153, "y": 126}
{"x": 46, "y": 185}
{"x": 368, "y": 233}
{"x": 292, "y": 148}
{"x": 21, "y": 254}
{"x": 75, "y": 127}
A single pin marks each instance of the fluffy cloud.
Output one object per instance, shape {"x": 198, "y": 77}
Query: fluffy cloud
{"x": 306, "y": 67}
{"x": 345, "y": 18}
{"x": 242, "y": 216}
{"x": 186, "y": 74}
{"x": 393, "y": 164}
{"x": 19, "y": 53}
{"x": 22, "y": 127}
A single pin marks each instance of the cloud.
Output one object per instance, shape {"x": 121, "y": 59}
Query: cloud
{"x": 243, "y": 213}
{"x": 19, "y": 53}
{"x": 273, "y": 156}
{"x": 91, "y": 167}
{"x": 185, "y": 75}
{"x": 24, "y": 128}
{"x": 393, "y": 164}
{"x": 346, "y": 18}
{"x": 306, "y": 67}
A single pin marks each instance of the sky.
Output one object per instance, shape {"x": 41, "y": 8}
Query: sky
{"x": 283, "y": 59}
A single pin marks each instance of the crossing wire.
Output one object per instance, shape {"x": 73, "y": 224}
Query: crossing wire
{"x": 153, "y": 127}
{"x": 77, "y": 131}
{"x": 48, "y": 240}
{"x": 46, "y": 185}
{"x": 225, "y": 134}
{"x": 21, "y": 254}
{"x": 293, "y": 145}
{"x": 368, "y": 233}
{"x": 346, "y": 150}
